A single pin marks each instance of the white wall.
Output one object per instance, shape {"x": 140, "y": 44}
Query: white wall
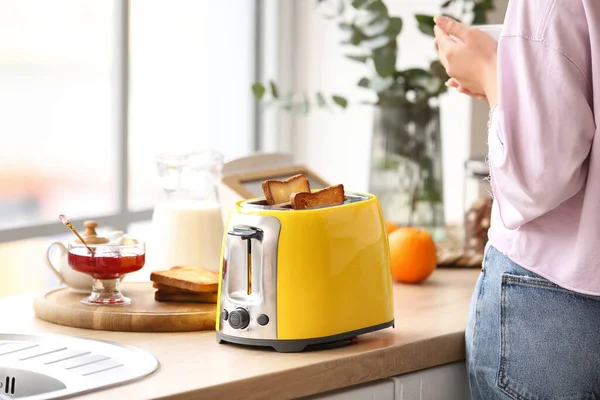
{"x": 337, "y": 144}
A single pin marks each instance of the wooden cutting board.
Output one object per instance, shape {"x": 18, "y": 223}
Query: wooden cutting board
{"x": 63, "y": 307}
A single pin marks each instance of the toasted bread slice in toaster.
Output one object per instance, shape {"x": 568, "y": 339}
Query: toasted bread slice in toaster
{"x": 325, "y": 197}
{"x": 278, "y": 192}
{"x": 189, "y": 297}
{"x": 191, "y": 278}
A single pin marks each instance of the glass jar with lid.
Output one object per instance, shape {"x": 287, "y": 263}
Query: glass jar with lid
{"x": 477, "y": 202}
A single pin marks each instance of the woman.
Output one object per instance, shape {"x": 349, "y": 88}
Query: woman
{"x": 534, "y": 323}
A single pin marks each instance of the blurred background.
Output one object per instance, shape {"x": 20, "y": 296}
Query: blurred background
{"x": 91, "y": 92}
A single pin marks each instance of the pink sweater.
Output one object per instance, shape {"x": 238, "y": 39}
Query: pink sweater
{"x": 543, "y": 157}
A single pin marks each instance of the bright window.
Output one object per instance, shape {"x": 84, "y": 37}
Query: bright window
{"x": 80, "y": 81}
{"x": 91, "y": 91}
{"x": 58, "y": 151}
{"x": 192, "y": 66}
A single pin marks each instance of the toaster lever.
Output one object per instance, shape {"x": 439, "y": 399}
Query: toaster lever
{"x": 246, "y": 233}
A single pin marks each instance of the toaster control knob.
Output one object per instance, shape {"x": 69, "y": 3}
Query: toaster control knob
{"x": 262, "y": 319}
{"x": 239, "y": 319}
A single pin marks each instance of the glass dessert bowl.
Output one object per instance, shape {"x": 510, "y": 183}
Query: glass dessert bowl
{"x": 107, "y": 263}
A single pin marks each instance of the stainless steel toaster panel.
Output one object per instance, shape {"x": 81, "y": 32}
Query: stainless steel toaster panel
{"x": 262, "y": 301}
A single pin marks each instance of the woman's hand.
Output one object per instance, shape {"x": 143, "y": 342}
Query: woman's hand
{"x": 469, "y": 56}
{"x": 453, "y": 83}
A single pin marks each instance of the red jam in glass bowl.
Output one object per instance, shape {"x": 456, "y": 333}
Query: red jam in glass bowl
{"x": 107, "y": 262}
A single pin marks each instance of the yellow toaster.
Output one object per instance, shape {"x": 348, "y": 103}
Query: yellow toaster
{"x": 296, "y": 278}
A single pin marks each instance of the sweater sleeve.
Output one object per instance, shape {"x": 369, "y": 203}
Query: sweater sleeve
{"x": 540, "y": 133}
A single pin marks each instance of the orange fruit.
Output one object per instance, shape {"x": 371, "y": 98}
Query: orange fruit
{"x": 390, "y": 226}
{"x": 413, "y": 254}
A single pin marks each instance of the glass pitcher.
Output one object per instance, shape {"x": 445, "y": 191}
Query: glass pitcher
{"x": 187, "y": 227}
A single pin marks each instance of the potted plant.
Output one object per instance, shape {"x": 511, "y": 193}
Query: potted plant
{"x": 406, "y": 158}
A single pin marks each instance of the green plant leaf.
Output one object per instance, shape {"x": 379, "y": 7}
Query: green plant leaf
{"x": 347, "y": 31}
{"x": 366, "y": 18}
{"x": 258, "y": 90}
{"x": 438, "y": 70}
{"x": 480, "y": 10}
{"x": 379, "y": 84}
{"x": 302, "y": 107}
{"x": 274, "y": 90}
{"x": 364, "y": 82}
{"x": 442, "y": 89}
{"x": 418, "y": 78}
{"x": 377, "y": 6}
{"x": 357, "y": 58}
{"x": 487, "y": 5}
{"x": 415, "y": 73}
{"x": 376, "y": 42}
{"x": 359, "y": 3}
{"x": 394, "y": 27}
{"x": 385, "y": 60}
{"x": 321, "y": 100}
{"x": 340, "y": 101}
{"x": 479, "y": 17}
{"x": 422, "y": 83}
{"x": 287, "y": 101}
{"x": 425, "y": 24}
{"x": 344, "y": 26}
{"x": 377, "y": 27}
{"x": 357, "y": 36}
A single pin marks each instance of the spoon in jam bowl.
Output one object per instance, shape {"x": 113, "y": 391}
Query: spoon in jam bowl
{"x": 105, "y": 261}
{"x": 63, "y": 218}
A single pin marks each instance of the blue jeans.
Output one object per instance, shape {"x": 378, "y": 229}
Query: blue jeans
{"x": 528, "y": 338}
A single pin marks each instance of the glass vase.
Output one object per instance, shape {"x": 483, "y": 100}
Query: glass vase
{"x": 406, "y": 166}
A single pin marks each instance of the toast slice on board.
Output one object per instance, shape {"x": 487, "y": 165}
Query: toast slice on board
{"x": 279, "y": 192}
{"x": 191, "y": 278}
{"x": 329, "y": 196}
{"x": 172, "y": 289}
{"x": 188, "y": 297}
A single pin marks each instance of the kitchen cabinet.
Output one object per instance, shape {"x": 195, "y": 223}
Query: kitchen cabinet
{"x": 446, "y": 382}
{"x": 378, "y": 390}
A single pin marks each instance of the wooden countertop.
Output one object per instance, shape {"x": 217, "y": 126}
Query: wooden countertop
{"x": 430, "y": 323}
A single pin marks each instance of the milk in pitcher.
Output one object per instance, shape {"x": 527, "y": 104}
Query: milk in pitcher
{"x": 187, "y": 226}
{"x": 189, "y": 233}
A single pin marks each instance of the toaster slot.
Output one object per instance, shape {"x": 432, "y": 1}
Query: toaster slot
{"x": 249, "y": 266}
{"x": 244, "y": 261}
